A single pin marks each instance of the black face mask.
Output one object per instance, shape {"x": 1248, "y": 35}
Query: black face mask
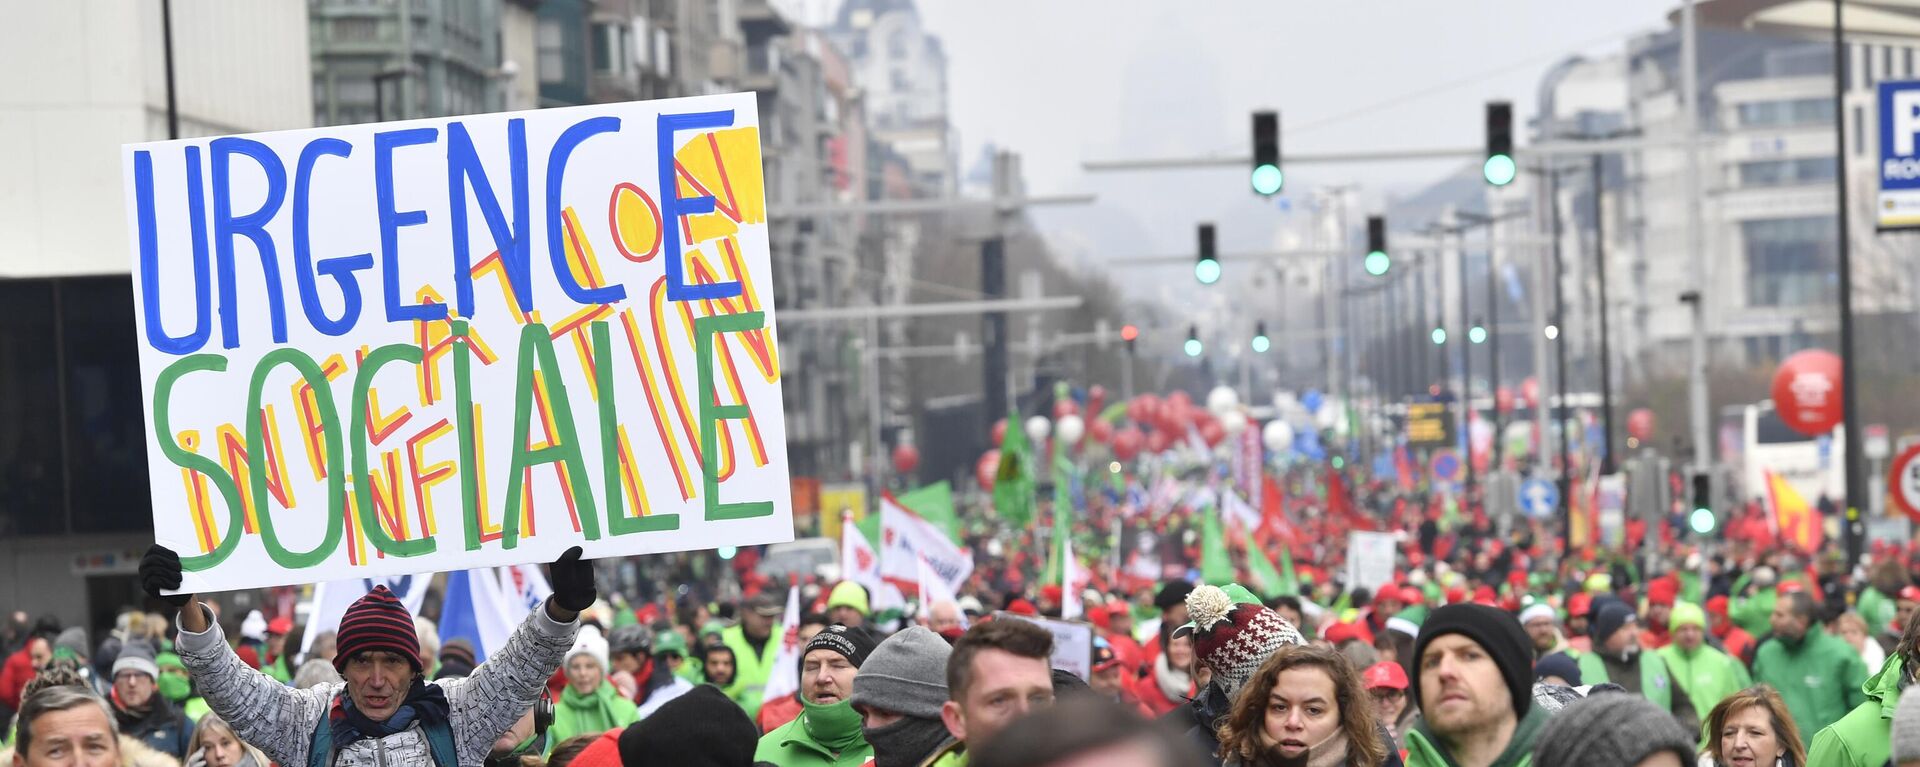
{"x": 906, "y": 743}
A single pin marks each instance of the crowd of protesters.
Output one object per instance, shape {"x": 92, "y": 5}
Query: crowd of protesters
{"x": 1487, "y": 648}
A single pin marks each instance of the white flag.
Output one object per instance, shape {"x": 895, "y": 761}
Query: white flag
{"x": 332, "y": 598}
{"x": 933, "y": 591}
{"x": 905, "y": 537}
{"x": 858, "y": 562}
{"x": 1069, "y": 583}
{"x": 1236, "y": 509}
{"x": 784, "y": 678}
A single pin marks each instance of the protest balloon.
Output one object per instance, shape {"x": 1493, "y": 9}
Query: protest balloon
{"x": 984, "y": 468}
{"x": 1096, "y": 399}
{"x": 1640, "y": 424}
{"x": 1503, "y": 400}
{"x": 1127, "y": 443}
{"x": 1158, "y": 441}
{"x": 1278, "y": 436}
{"x": 1806, "y": 392}
{"x": 1101, "y": 431}
{"x": 1222, "y": 399}
{"x": 1211, "y": 431}
{"x": 1530, "y": 392}
{"x": 906, "y": 458}
{"x": 1234, "y": 422}
{"x": 1070, "y": 429}
{"x": 1000, "y": 431}
{"x": 1038, "y": 427}
{"x": 1064, "y": 407}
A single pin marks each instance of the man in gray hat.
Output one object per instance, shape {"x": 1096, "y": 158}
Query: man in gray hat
{"x": 899, "y": 692}
{"x": 143, "y": 713}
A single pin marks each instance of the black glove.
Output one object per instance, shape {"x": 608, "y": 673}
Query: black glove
{"x": 160, "y": 569}
{"x": 572, "y": 581}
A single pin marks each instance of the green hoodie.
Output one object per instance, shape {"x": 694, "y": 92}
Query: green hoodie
{"x": 1820, "y": 676}
{"x": 1708, "y": 675}
{"x": 1425, "y": 750}
{"x": 1864, "y": 736}
{"x": 600, "y": 711}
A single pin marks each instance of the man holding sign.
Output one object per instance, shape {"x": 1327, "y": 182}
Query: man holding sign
{"x": 386, "y": 712}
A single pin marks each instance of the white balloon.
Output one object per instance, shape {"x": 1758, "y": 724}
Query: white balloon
{"x": 1278, "y": 436}
{"x": 1233, "y": 422}
{"x": 1038, "y": 427}
{"x": 1070, "y": 429}
{"x": 1222, "y": 400}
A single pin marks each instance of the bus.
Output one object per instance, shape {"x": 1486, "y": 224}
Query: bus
{"x": 1814, "y": 466}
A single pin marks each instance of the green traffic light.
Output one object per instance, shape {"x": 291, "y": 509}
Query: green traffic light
{"x": 1339, "y": 462}
{"x": 1378, "y": 263}
{"x": 1702, "y": 521}
{"x": 1477, "y": 334}
{"x": 1207, "y": 271}
{"x": 1499, "y": 170}
{"x": 1267, "y": 179}
{"x": 1439, "y": 336}
{"x": 1194, "y": 347}
{"x": 1261, "y": 344}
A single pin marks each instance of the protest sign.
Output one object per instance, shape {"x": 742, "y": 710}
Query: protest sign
{"x": 1370, "y": 559}
{"x": 1072, "y": 643}
{"x": 457, "y": 343}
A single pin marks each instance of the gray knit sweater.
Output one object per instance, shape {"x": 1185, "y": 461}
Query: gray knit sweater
{"x": 280, "y": 720}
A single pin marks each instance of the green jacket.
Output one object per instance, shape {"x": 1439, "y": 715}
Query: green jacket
{"x": 1820, "y": 676}
{"x": 791, "y": 745}
{"x": 576, "y": 714}
{"x": 1755, "y": 613}
{"x": 954, "y": 754}
{"x": 1864, "y": 736}
{"x": 750, "y": 669}
{"x": 1876, "y": 608}
{"x": 1656, "y": 684}
{"x": 1424, "y": 748}
{"x": 1708, "y": 675}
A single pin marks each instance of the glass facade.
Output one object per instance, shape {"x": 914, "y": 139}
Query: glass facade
{"x": 1790, "y": 261}
{"x": 1805, "y": 170}
{"x": 1786, "y": 114}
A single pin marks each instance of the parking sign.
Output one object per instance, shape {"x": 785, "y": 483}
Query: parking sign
{"x": 1899, "y": 202}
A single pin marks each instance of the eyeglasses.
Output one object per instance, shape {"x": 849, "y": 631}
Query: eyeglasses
{"x": 1386, "y": 693}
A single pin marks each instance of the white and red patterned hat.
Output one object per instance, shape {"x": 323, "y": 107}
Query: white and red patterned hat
{"x": 1234, "y": 639}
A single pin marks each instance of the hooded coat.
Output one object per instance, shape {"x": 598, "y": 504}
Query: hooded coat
{"x": 1863, "y": 737}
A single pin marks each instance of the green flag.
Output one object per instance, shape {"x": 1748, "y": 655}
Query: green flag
{"x": 1062, "y": 515}
{"x": 1273, "y": 581}
{"x": 934, "y": 503}
{"x": 870, "y": 527}
{"x": 1013, "y": 481}
{"x": 1216, "y": 565}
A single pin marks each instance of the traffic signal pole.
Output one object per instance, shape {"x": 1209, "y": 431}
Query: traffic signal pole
{"x": 1466, "y": 359}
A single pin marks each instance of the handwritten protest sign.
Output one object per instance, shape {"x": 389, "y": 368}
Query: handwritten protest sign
{"x": 457, "y": 343}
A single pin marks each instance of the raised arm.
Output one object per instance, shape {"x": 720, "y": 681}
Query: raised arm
{"x": 500, "y": 690}
{"x": 275, "y": 718}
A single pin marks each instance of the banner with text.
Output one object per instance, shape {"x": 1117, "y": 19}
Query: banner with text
{"x": 905, "y": 539}
{"x": 457, "y": 343}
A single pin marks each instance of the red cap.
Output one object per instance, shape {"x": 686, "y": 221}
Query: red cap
{"x": 1118, "y": 607}
{"x": 1717, "y": 606}
{"x": 1662, "y": 591}
{"x": 1517, "y": 578}
{"x": 1104, "y": 658}
{"x": 1790, "y": 587}
{"x": 1910, "y": 593}
{"x": 1050, "y": 592}
{"x": 280, "y": 625}
{"x": 1343, "y": 631}
{"x": 1101, "y": 618}
{"x": 1022, "y": 607}
{"x": 1484, "y": 595}
{"x": 1412, "y": 596}
{"x": 1580, "y": 605}
{"x": 1456, "y": 595}
{"x": 1388, "y": 675}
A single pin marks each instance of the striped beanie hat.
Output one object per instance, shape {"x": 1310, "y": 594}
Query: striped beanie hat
{"x": 1235, "y": 638}
{"x": 377, "y": 621}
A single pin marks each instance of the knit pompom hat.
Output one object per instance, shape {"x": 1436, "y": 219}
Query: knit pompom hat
{"x": 377, "y": 621}
{"x": 1234, "y": 639}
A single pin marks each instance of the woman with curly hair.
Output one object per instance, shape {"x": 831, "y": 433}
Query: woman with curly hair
{"x": 1304, "y": 707}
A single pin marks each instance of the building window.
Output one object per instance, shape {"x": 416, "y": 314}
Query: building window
{"x": 610, "y": 51}
{"x": 1805, "y": 170}
{"x": 553, "y": 52}
{"x": 1786, "y": 114}
{"x": 1790, "y": 261}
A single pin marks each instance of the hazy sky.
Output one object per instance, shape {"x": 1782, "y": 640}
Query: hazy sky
{"x": 1062, "y": 81}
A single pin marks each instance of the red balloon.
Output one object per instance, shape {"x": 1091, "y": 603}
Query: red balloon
{"x": 1503, "y": 400}
{"x": 1211, "y": 431}
{"x": 1096, "y": 399}
{"x": 1140, "y": 410}
{"x": 1530, "y": 392}
{"x": 1065, "y": 407}
{"x": 1179, "y": 400}
{"x": 1000, "y": 431}
{"x": 984, "y": 468}
{"x": 1100, "y": 431}
{"x": 1158, "y": 441}
{"x": 906, "y": 458}
{"x": 1127, "y": 443}
{"x": 1640, "y": 424}
{"x": 1806, "y": 392}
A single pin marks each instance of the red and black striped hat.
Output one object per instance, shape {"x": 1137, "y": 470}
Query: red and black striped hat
{"x": 377, "y": 621}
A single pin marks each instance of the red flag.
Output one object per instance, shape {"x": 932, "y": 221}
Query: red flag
{"x": 1340, "y": 505}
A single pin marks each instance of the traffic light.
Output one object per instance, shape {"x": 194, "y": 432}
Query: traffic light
{"x": 1378, "y": 262}
{"x": 1129, "y": 334}
{"x": 1193, "y": 346}
{"x": 1260, "y": 341}
{"x": 1702, "y": 519}
{"x": 1267, "y": 178}
{"x": 1206, "y": 266}
{"x": 1499, "y": 167}
{"x": 1478, "y": 333}
{"x": 1439, "y": 336}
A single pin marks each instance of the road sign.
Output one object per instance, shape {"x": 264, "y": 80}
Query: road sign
{"x": 1899, "y": 206}
{"x": 1446, "y": 466}
{"x": 1875, "y": 442}
{"x": 1903, "y": 481}
{"x": 1429, "y": 424}
{"x": 1538, "y": 498}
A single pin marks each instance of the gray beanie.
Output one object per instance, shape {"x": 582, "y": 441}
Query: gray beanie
{"x": 632, "y": 640}
{"x": 907, "y": 674}
{"x": 1610, "y": 729}
{"x": 136, "y": 655}
{"x": 74, "y": 640}
{"x": 1906, "y": 729}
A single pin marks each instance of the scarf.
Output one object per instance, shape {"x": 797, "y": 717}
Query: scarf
{"x": 593, "y": 712}
{"x": 906, "y": 743}
{"x": 1173, "y": 684}
{"x": 835, "y": 726}
{"x": 425, "y": 703}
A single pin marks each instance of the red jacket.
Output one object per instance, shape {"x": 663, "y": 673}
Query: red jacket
{"x": 776, "y": 713}
{"x": 1147, "y": 691}
{"x": 14, "y": 678}
{"x": 1127, "y": 650}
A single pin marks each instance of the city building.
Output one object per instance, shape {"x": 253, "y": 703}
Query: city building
{"x": 401, "y": 60}
{"x": 74, "y": 509}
